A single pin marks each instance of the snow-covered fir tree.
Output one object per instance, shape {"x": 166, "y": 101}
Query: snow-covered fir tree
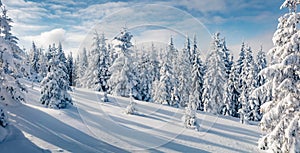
{"x": 82, "y": 65}
{"x": 173, "y": 54}
{"x": 261, "y": 63}
{"x": 226, "y": 58}
{"x": 131, "y": 108}
{"x": 42, "y": 64}
{"x": 189, "y": 118}
{"x": 194, "y": 51}
{"x": 259, "y": 97}
{"x": 105, "y": 61}
{"x": 163, "y": 92}
{"x": 155, "y": 63}
{"x": 71, "y": 69}
{"x": 145, "y": 78}
{"x": 184, "y": 74}
{"x": 215, "y": 77}
{"x": 123, "y": 79}
{"x": 97, "y": 74}
{"x": 55, "y": 85}
{"x": 11, "y": 58}
{"x": 231, "y": 94}
{"x": 248, "y": 82}
{"x": 197, "y": 82}
{"x": 240, "y": 64}
{"x": 281, "y": 119}
{"x": 34, "y": 63}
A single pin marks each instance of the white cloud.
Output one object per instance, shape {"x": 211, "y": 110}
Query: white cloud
{"x": 48, "y": 37}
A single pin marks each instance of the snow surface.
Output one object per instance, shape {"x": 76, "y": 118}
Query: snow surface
{"x": 94, "y": 126}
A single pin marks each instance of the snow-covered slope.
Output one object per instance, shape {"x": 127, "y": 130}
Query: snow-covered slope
{"x": 94, "y": 126}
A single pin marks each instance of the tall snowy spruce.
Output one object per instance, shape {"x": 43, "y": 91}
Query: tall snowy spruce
{"x": 173, "y": 54}
{"x": 281, "y": 119}
{"x": 215, "y": 77}
{"x": 145, "y": 77}
{"x": 231, "y": 94}
{"x": 185, "y": 73}
{"x": 82, "y": 65}
{"x": 97, "y": 74}
{"x": 71, "y": 69}
{"x": 165, "y": 93}
{"x": 259, "y": 97}
{"x": 189, "y": 118}
{"x": 197, "y": 78}
{"x": 11, "y": 58}
{"x": 55, "y": 85}
{"x": 122, "y": 78}
{"x": 34, "y": 63}
{"x": 248, "y": 84}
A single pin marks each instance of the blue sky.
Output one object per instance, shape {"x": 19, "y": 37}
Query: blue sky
{"x": 69, "y": 21}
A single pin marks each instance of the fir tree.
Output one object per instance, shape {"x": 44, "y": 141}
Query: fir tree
{"x": 55, "y": 85}
{"x": 189, "y": 117}
{"x": 258, "y": 98}
{"x": 34, "y": 63}
{"x": 123, "y": 79}
{"x": 282, "y": 114}
{"x": 214, "y": 78}
{"x": 197, "y": 83}
{"x": 97, "y": 74}
{"x": 82, "y": 65}
{"x": 248, "y": 85}
{"x": 184, "y": 74}
{"x": 71, "y": 69}
{"x": 231, "y": 95}
{"x": 164, "y": 88}
{"x": 11, "y": 58}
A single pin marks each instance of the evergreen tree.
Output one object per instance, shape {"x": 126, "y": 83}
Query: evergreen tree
{"x": 34, "y": 63}
{"x": 145, "y": 77}
{"x": 154, "y": 63}
{"x": 55, "y": 85}
{"x": 174, "y": 71}
{"x": 6, "y": 26}
{"x": 261, "y": 62}
{"x": 226, "y": 58}
{"x": 164, "y": 88}
{"x": 42, "y": 64}
{"x": 11, "y": 58}
{"x": 184, "y": 74}
{"x": 123, "y": 79}
{"x": 82, "y": 66}
{"x": 197, "y": 83}
{"x": 71, "y": 69}
{"x": 131, "y": 108}
{"x": 214, "y": 78}
{"x": 259, "y": 98}
{"x": 97, "y": 74}
{"x": 248, "y": 85}
{"x": 282, "y": 113}
{"x": 189, "y": 117}
{"x": 231, "y": 95}
{"x": 103, "y": 73}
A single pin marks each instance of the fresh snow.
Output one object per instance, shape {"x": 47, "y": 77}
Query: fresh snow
{"x": 94, "y": 126}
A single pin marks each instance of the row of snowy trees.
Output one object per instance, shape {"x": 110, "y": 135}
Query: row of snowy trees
{"x": 167, "y": 76}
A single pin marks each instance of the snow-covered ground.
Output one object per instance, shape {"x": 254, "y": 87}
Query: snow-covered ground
{"x": 94, "y": 126}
